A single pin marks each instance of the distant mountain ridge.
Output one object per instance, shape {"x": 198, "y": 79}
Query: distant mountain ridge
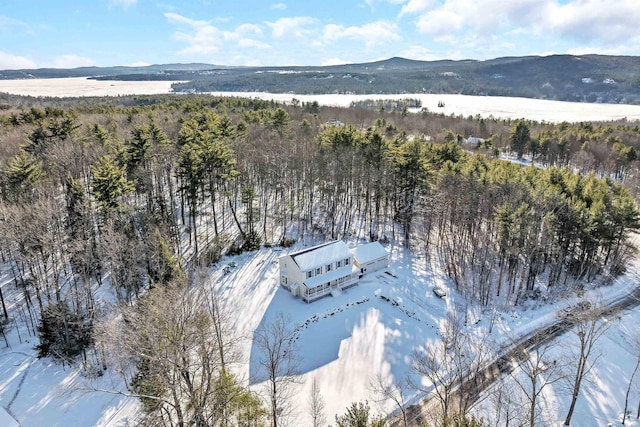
{"x": 48, "y": 73}
{"x": 584, "y": 78}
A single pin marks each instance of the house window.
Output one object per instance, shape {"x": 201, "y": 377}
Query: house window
{"x": 318, "y": 271}
{"x": 328, "y": 268}
{"x": 309, "y": 274}
{"x": 284, "y": 279}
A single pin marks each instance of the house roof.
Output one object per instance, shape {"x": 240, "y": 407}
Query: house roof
{"x": 369, "y": 252}
{"x": 330, "y": 276}
{"x": 6, "y": 419}
{"x": 320, "y": 255}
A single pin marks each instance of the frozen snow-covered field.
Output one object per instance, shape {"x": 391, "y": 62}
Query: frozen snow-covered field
{"x": 465, "y": 105}
{"x": 82, "y": 86}
{"x": 486, "y": 106}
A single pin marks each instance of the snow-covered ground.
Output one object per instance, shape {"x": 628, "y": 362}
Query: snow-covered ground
{"x": 468, "y": 105}
{"x": 82, "y": 86}
{"x": 465, "y": 105}
{"x": 38, "y": 392}
{"x": 602, "y": 396}
{"x": 345, "y": 342}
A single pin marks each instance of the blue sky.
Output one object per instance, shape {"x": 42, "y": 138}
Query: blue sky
{"x": 72, "y": 33}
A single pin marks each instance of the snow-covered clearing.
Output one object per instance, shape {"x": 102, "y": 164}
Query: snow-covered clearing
{"x": 370, "y": 330}
{"x": 38, "y": 392}
{"x": 344, "y": 342}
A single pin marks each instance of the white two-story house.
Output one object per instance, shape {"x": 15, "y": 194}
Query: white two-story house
{"x": 328, "y": 268}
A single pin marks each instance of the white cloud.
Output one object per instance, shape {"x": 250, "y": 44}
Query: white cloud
{"x": 415, "y": 6}
{"x": 175, "y": 18}
{"x": 332, "y": 32}
{"x": 124, "y": 3}
{"x": 372, "y": 34}
{"x": 372, "y": 3}
{"x": 15, "y": 62}
{"x": 280, "y": 6}
{"x": 72, "y": 61}
{"x": 292, "y": 27}
{"x": 251, "y": 43}
{"x": 9, "y": 61}
{"x": 609, "y": 23}
{"x": 483, "y": 17}
{"x": 203, "y": 38}
{"x": 249, "y": 29}
{"x": 440, "y": 22}
{"x": 479, "y": 22}
{"x": 11, "y": 24}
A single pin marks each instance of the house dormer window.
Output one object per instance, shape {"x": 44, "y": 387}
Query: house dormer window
{"x": 338, "y": 264}
{"x": 328, "y": 268}
{"x": 309, "y": 274}
{"x": 346, "y": 261}
{"x": 318, "y": 271}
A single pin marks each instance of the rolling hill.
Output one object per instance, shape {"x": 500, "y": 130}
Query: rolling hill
{"x": 585, "y": 78}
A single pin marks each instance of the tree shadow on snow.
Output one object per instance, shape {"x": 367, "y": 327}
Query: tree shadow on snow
{"x": 318, "y": 329}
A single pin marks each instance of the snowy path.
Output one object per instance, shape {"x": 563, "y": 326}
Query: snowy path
{"x": 19, "y": 388}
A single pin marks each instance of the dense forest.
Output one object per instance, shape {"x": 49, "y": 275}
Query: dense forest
{"x": 133, "y": 193}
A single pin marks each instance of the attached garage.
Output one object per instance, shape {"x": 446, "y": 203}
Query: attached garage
{"x": 370, "y": 257}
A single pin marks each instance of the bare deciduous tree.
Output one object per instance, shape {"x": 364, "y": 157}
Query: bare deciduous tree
{"x": 636, "y": 349}
{"x": 533, "y": 376}
{"x": 455, "y": 361}
{"x": 393, "y": 391}
{"x": 279, "y": 362}
{"x": 589, "y": 326}
{"x": 316, "y": 405}
{"x": 171, "y": 360}
{"x": 507, "y": 402}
